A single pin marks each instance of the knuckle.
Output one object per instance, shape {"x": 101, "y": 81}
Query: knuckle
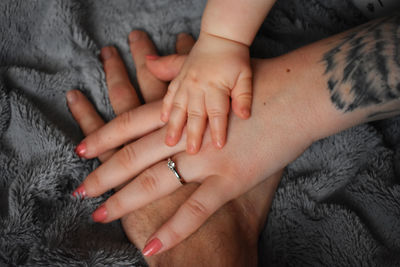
{"x": 243, "y": 95}
{"x": 127, "y": 156}
{"x": 124, "y": 121}
{"x": 196, "y": 114}
{"x": 216, "y": 112}
{"x": 197, "y": 209}
{"x": 96, "y": 182}
{"x": 193, "y": 76}
{"x": 149, "y": 182}
{"x": 179, "y": 106}
{"x": 173, "y": 234}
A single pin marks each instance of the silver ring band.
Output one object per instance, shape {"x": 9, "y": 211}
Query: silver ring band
{"x": 171, "y": 165}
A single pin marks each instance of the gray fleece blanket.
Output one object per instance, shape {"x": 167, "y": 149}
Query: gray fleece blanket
{"x": 337, "y": 205}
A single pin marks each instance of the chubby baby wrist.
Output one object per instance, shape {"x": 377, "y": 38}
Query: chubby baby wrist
{"x": 205, "y": 34}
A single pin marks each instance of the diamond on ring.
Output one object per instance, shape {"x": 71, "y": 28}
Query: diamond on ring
{"x": 171, "y": 165}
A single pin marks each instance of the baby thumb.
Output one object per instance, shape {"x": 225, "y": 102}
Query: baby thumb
{"x": 242, "y": 95}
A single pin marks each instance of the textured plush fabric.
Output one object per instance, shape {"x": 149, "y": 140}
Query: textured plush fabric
{"x": 337, "y": 205}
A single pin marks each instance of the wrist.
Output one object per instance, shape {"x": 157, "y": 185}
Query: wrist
{"x": 204, "y": 34}
{"x": 237, "y": 20}
{"x": 209, "y": 36}
{"x": 294, "y": 89}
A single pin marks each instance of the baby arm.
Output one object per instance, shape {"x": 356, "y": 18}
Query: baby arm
{"x": 236, "y": 21}
{"x": 217, "y": 69}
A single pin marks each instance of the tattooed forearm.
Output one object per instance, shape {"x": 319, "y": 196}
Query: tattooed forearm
{"x": 363, "y": 68}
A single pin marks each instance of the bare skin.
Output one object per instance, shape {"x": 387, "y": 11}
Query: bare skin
{"x": 216, "y": 70}
{"x": 334, "y": 84}
{"x": 229, "y": 238}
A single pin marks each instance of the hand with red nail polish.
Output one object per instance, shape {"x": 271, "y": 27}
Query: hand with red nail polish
{"x": 290, "y": 113}
{"x": 142, "y": 223}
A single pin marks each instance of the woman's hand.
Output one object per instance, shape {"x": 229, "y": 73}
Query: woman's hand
{"x": 237, "y": 225}
{"x": 298, "y": 98}
{"x": 275, "y": 135}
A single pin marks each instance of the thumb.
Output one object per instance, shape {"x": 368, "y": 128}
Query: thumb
{"x": 166, "y": 68}
{"x": 242, "y": 95}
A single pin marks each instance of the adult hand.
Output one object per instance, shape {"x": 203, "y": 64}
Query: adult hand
{"x": 298, "y": 98}
{"x": 256, "y": 148}
{"x": 236, "y": 225}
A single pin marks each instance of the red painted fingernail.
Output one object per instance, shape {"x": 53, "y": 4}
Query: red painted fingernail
{"x": 100, "y": 214}
{"x": 152, "y": 57}
{"x": 152, "y": 247}
{"x": 80, "y": 191}
{"x": 80, "y": 150}
{"x": 106, "y": 53}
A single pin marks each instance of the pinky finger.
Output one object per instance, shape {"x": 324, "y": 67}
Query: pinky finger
{"x": 208, "y": 198}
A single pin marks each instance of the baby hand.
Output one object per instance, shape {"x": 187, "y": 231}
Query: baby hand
{"x": 215, "y": 70}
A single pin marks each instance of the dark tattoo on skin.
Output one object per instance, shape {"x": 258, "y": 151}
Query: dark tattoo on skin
{"x": 363, "y": 68}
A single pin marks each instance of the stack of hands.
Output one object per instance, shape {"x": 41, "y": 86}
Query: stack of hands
{"x": 292, "y": 106}
{"x": 245, "y": 215}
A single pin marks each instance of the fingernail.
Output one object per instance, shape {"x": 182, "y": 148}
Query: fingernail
{"x": 152, "y": 247}
{"x": 72, "y": 96}
{"x": 191, "y": 148}
{"x": 100, "y": 214}
{"x": 80, "y": 191}
{"x": 152, "y": 57}
{"x": 106, "y": 53}
{"x": 134, "y": 36}
{"x": 164, "y": 117}
{"x": 219, "y": 144}
{"x": 80, "y": 150}
{"x": 180, "y": 36}
{"x": 169, "y": 140}
{"x": 246, "y": 112}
